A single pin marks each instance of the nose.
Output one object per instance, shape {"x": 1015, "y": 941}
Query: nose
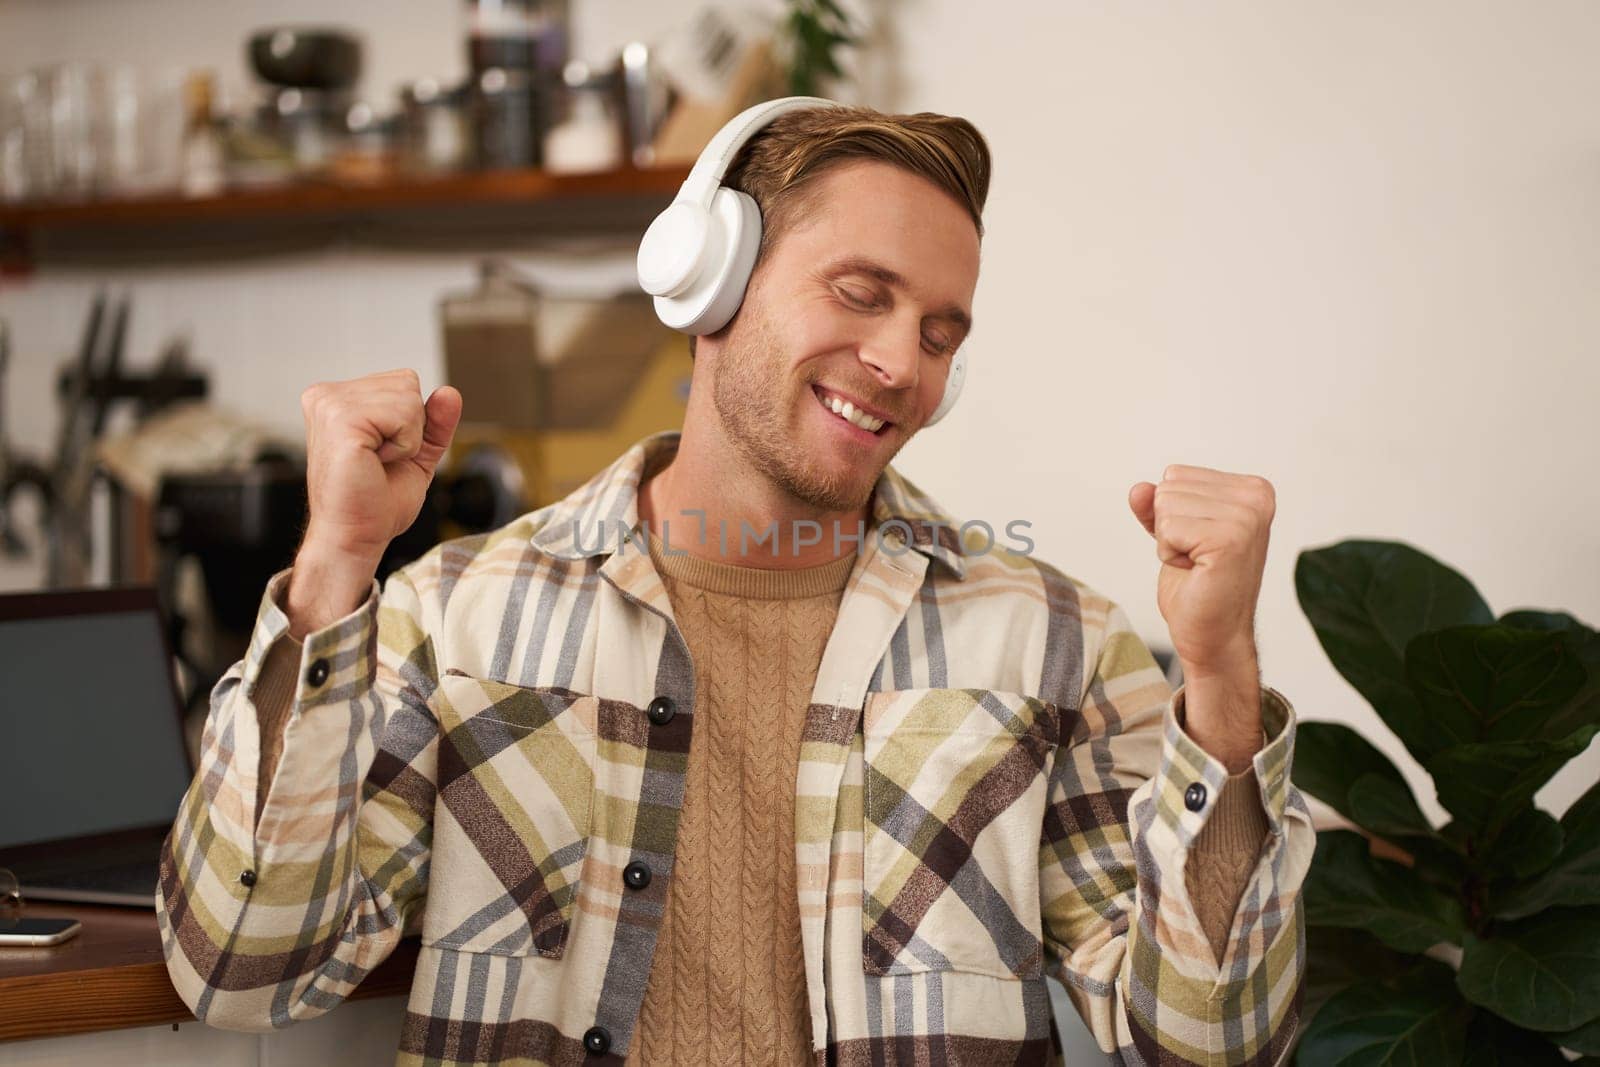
{"x": 894, "y": 355}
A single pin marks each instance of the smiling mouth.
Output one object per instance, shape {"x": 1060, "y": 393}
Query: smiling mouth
{"x": 843, "y": 409}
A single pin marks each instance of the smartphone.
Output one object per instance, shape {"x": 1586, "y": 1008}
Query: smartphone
{"x": 37, "y": 931}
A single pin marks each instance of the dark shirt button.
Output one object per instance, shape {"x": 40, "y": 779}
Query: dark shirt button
{"x": 318, "y": 672}
{"x": 1194, "y": 798}
{"x": 247, "y": 877}
{"x": 597, "y": 1039}
{"x": 661, "y": 711}
{"x": 636, "y": 874}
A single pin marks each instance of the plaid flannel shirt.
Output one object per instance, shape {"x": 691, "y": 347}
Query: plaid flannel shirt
{"x": 991, "y": 789}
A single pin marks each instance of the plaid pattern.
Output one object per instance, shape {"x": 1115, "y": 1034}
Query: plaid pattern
{"x": 990, "y": 791}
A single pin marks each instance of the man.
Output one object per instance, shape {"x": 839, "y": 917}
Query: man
{"x": 788, "y": 773}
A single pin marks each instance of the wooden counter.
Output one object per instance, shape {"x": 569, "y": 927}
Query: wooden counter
{"x": 112, "y": 975}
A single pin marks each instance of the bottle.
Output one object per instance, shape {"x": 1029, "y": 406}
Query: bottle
{"x": 202, "y": 173}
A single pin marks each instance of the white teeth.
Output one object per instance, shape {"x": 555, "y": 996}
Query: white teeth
{"x": 847, "y": 411}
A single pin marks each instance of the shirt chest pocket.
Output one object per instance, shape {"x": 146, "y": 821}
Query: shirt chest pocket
{"x": 512, "y": 820}
{"x": 953, "y": 807}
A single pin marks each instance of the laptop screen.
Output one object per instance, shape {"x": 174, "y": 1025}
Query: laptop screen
{"x": 92, "y": 738}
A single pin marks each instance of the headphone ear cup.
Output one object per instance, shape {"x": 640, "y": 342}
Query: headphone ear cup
{"x": 672, "y": 252}
{"x": 952, "y": 387}
{"x": 733, "y": 237}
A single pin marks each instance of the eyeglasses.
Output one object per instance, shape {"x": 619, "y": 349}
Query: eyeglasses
{"x": 10, "y": 898}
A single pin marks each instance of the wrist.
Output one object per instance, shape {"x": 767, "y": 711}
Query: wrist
{"x": 1236, "y": 659}
{"x": 1222, "y": 714}
{"x": 331, "y": 544}
{"x": 326, "y": 584}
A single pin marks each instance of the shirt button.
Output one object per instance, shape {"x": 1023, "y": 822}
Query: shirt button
{"x": 1194, "y": 798}
{"x": 318, "y": 672}
{"x": 247, "y": 878}
{"x": 661, "y": 711}
{"x": 636, "y": 875}
{"x": 597, "y": 1039}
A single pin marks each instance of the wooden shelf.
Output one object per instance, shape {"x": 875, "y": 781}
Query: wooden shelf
{"x": 112, "y": 975}
{"x": 454, "y": 211}
{"x": 321, "y": 198}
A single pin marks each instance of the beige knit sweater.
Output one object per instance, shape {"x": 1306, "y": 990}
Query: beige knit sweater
{"x": 727, "y": 983}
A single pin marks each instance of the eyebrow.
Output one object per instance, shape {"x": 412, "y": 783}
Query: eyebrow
{"x": 858, "y": 265}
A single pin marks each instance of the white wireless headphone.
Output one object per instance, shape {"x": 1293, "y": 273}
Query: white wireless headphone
{"x": 697, "y": 256}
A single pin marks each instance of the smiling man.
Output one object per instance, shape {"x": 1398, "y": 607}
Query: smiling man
{"x": 793, "y": 772}
{"x": 861, "y": 296}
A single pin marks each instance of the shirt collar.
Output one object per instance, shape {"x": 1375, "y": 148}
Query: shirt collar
{"x": 589, "y": 521}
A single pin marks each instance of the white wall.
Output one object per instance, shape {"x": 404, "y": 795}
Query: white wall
{"x": 1350, "y": 247}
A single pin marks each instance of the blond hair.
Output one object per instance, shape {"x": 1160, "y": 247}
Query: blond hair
{"x": 778, "y": 165}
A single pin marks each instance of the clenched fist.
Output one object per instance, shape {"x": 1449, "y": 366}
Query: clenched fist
{"x": 372, "y": 446}
{"x": 1211, "y": 530}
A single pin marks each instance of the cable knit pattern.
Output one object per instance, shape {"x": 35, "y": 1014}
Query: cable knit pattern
{"x": 764, "y": 696}
{"x": 724, "y": 683}
{"x": 727, "y": 984}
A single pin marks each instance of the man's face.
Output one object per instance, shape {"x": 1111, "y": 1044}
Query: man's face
{"x": 866, "y": 299}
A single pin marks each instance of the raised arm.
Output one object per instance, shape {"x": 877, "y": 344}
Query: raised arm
{"x": 1132, "y": 803}
{"x": 299, "y": 854}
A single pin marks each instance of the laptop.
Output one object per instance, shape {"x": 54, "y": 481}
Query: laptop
{"x": 93, "y": 763}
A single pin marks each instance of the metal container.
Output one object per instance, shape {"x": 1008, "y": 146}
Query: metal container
{"x": 508, "y": 111}
{"x": 435, "y": 133}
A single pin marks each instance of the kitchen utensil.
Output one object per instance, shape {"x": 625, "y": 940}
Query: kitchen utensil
{"x": 309, "y": 58}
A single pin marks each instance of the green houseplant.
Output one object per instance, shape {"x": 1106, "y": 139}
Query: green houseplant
{"x": 812, "y": 30}
{"x": 1478, "y": 941}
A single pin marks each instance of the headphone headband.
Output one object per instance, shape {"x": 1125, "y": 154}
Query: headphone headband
{"x": 706, "y": 174}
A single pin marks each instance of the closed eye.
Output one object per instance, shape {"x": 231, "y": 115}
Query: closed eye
{"x": 858, "y": 297}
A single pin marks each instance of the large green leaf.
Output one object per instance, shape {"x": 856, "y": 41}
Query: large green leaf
{"x": 1493, "y": 683}
{"x": 1329, "y": 756}
{"x": 1530, "y": 842}
{"x": 1541, "y": 973}
{"x": 1416, "y": 1021}
{"x": 1493, "y": 1042}
{"x": 1387, "y": 808}
{"x": 1348, "y": 886}
{"x": 1339, "y": 957}
{"x": 1574, "y": 878}
{"x": 1485, "y": 785}
{"x": 1582, "y": 641}
{"x": 1367, "y": 600}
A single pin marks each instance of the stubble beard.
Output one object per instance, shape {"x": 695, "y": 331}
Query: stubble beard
{"x": 754, "y": 398}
